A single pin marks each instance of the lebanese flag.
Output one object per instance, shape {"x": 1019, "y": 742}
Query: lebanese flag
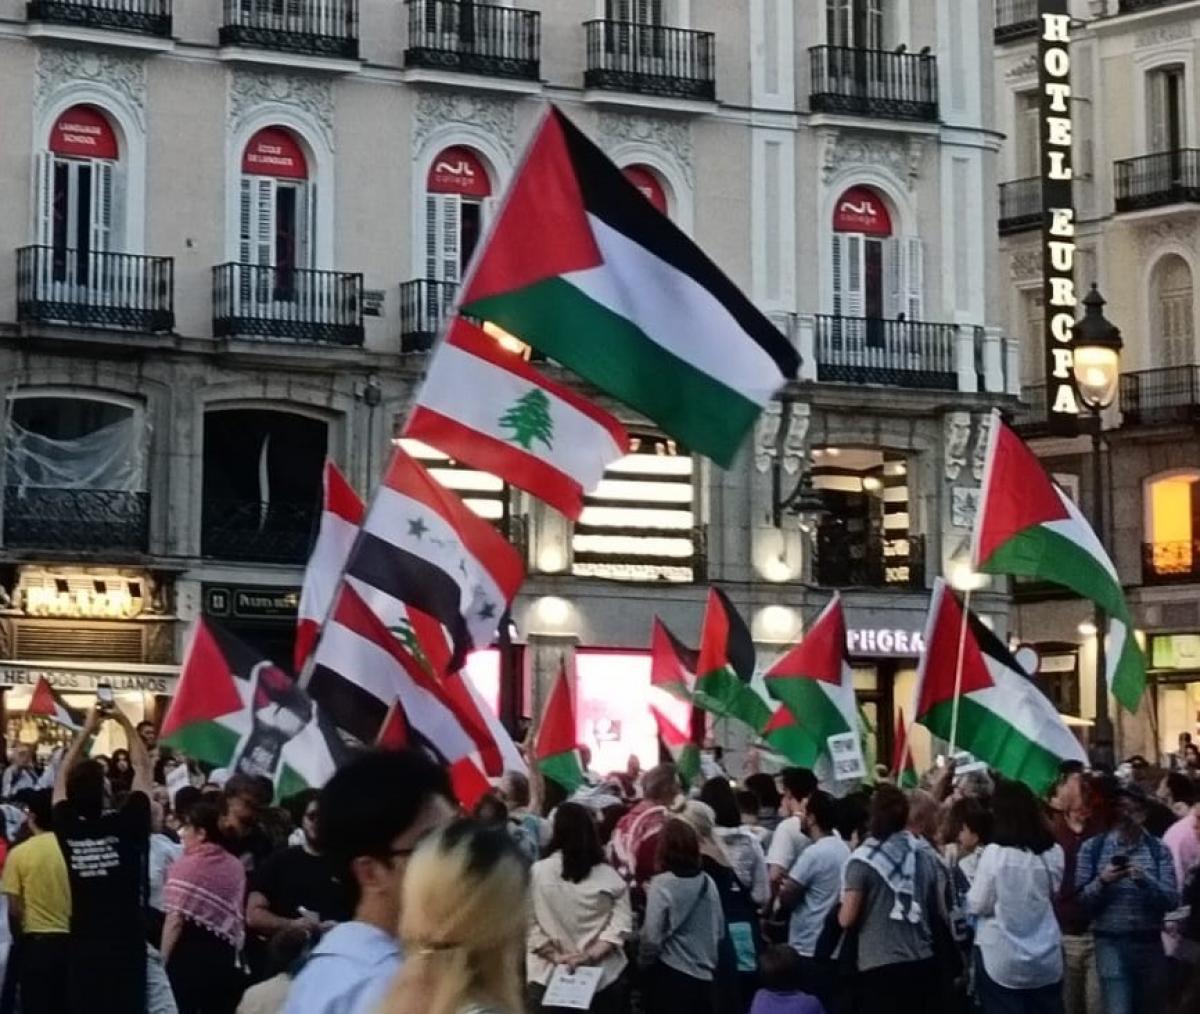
{"x": 422, "y": 548}
{"x": 904, "y": 770}
{"x": 341, "y": 515}
{"x": 672, "y": 679}
{"x": 556, "y": 748}
{"x": 726, "y": 666}
{"x": 814, "y": 680}
{"x": 1003, "y": 718}
{"x": 47, "y": 703}
{"x": 1027, "y": 526}
{"x": 489, "y": 408}
{"x": 576, "y": 267}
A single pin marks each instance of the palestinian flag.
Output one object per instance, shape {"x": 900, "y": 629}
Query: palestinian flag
{"x": 556, "y": 748}
{"x": 1003, "y": 719}
{"x": 1027, "y": 526}
{"x": 672, "y": 664}
{"x": 676, "y": 729}
{"x": 787, "y": 738}
{"x": 47, "y": 703}
{"x": 904, "y": 770}
{"x": 672, "y": 679}
{"x": 814, "y": 680}
{"x": 488, "y": 408}
{"x": 577, "y": 268}
{"x": 726, "y": 666}
{"x": 235, "y": 709}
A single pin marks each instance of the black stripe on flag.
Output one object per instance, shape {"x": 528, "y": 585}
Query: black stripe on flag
{"x": 347, "y": 705}
{"x": 608, "y": 195}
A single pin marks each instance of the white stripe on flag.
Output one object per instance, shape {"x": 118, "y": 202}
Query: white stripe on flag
{"x": 334, "y": 542}
{"x": 1018, "y": 702}
{"x": 1077, "y": 530}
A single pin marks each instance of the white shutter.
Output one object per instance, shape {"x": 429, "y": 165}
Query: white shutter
{"x": 836, "y": 262}
{"x": 306, "y": 256}
{"x": 451, "y": 249}
{"x": 246, "y": 221}
{"x": 853, "y": 276}
{"x": 914, "y": 278}
{"x": 263, "y": 222}
{"x": 893, "y": 289}
{"x": 431, "y": 236}
{"x": 44, "y": 198}
{"x": 102, "y": 207}
{"x": 1158, "y": 111}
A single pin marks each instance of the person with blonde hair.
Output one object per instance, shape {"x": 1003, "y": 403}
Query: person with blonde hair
{"x": 462, "y": 925}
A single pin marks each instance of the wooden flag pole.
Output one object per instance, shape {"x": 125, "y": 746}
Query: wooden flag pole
{"x": 958, "y": 670}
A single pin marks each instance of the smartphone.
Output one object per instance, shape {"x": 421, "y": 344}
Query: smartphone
{"x": 104, "y": 697}
{"x": 1120, "y": 862}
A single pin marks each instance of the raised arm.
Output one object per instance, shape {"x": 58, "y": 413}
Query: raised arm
{"x": 71, "y": 758}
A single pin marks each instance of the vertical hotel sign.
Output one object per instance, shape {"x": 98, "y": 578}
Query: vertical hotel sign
{"x": 1058, "y": 215}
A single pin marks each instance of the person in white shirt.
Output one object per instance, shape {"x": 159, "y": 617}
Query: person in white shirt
{"x": 789, "y": 839}
{"x": 740, "y": 843}
{"x": 373, "y": 812}
{"x": 21, "y": 772}
{"x": 1018, "y": 946}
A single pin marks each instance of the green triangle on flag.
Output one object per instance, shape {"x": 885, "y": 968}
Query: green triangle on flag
{"x": 726, "y": 666}
{"x": 556, "y": 748}
{"x": 904, "y": 768}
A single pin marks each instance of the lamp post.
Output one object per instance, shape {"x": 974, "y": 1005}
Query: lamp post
{"x": 1097, "y": 352}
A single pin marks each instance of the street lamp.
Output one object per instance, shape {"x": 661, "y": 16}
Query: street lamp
{"x": 1097, "y": 351}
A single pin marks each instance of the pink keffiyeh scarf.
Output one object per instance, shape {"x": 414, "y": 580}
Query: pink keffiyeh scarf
{"x": 207, "y": 886}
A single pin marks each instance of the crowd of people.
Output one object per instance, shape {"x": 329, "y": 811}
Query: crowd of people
{"x": 378, "y": 895}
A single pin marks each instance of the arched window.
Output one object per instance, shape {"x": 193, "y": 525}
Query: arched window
{"x": 876, "y": 274}
{"x": 1172, "y": 505}
{"x": 650, "y": 184}
{"x": 857, "y": 23}
{"x": 1172, "y": 331}
{"x": 277, "y": 212}
{"x": 458, "y": 192}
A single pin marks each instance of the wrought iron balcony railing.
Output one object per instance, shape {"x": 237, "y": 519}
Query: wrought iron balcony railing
{"x": 84, "y": 520}
{"x": 1016, "y": 19}
{"x": 1131, "y": 6}
{"x": 424, "y": 306}
{"x": 874, "y": 82}
{"x": 1170, "y": 562}
{"x": 254, "y": 532}
{"x": 297, "y": 304}
{"x": 145, "y": 17}
{"x": 1150, "y": 181}
{"x": 474, "y": 38}
{"x": 101, "y": 290}
{"x": 651, "y": 60}
{"x": 845, "y": 560}
{"x": 1020, "y": 205}
{"x": 305, "y": 27}
{"x": 902, "y": 353}
{"x": 1167, "y": 395}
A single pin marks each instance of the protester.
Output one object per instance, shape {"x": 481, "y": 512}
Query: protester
{"x": 39, "y": 905}
{"x": 528, "y": 830}
{"x": 120, "y": 772}
{"x": 751, "y": 817}
{"x": 21, "y": 773}
{"x": 284, "y": 952}
{"x": 683, "y": 928}
{"x": 782, "y": 992}
{"x": 1018, "y": 946}
{"x": 1182, "y": 840}
{"x": 634, "y": 845}
{"x": 462, "y": 924}
{"x": 1126, "y": 880}
{"x": 204, "y": 929}
{"x": 1177, "y": 792}
{"x": 769, "y": 800}
{"x": 740, "y": 844}
{"x": 373, "y": 812}
{"x": 106, "y": 853}
{"x": 164, "y": 850}
{"x": 242, "y": 831}
{"x": 580, "y": 913}
{"x": 789, "y": 839}
{"x": 969, "y": 829}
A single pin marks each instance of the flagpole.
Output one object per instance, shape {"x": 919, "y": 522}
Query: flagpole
{"x": 958, "y": 671}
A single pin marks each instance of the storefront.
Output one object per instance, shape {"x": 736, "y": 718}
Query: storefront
{"x": 264, "y": 616}
{"x": 1175, "y": 675}
{"x": 884, "y": 660}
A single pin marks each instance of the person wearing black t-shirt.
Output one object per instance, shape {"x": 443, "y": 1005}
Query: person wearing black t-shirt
{"x": 107, "y": 853}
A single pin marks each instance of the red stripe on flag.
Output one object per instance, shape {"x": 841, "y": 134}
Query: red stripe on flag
{"x": 206, "y": 688}
{"x": 940, "y": 662}
{"x": 468, "y": 783}
{"x": 822, "y": 653}
{"x": 714, "y": 636}
{"x": 557, "y": 733}
{"x": 340, "y": 498}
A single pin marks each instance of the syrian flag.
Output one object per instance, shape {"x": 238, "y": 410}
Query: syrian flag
{"x": 235, "y": 709}
{"x": 726, "y": 666}
{"x": 422, "y": 548}
{"x": 556, "y": 748}
{"x": 904, "y": 769}
{"x": 341, "y": 515}
{"x": 577, "y": 268}
{"x": 814, "y": 680}
{"x": 672, "y": 679}
{"x": 47, "y": 703}
{"x": 489, "y": 408}
{"x": 1003, "y": 718}
{"x": 1027, "y": 526}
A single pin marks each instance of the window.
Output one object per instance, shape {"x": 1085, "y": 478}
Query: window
{"x": 642, "y": 12}
{"x": 650, "y": 185}
{"x": 875, "y": 274}
{"x": 458, "y": 197}
{"x": 1033, "y": 365}
{"x": 1027, "y": 139}
{"x": 640, "y": 523}
{"x": 485, "y": 494}
{"x": 857, "y": 23}
{"x": 1165, "y": 111}
{"x": 1172, "y": 331}
{"x": 1172, "y": 521}
{"x": 276, "y": 219}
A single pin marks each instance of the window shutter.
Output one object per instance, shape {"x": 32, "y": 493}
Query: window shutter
{"x": 914, "y": 275}
{"x": 449, "y": 251}
{"x": 263, "y": 223}
{"x": 1157, "y": 100}
{"x": 893, "y": 292}
{"x": 102, "y": 206}
{"x": 44, "y": 199}
{"x": 307, "y": 254}
{"x": 246, "y": 221}
{"x": 431, "y": 236}
{"x": 853, "y": 296}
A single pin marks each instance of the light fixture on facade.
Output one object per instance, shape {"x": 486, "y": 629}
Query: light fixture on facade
{"x": 552, "y": 560}
{"x": 964, "y": 578}
{"x": 872, "y": 483}
{"x": 553, "y": 611}
{"x": 1087, "y": 629}
{"x": 777, "y": 623}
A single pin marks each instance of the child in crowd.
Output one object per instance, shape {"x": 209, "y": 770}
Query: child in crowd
{"x": 781, "y": 972}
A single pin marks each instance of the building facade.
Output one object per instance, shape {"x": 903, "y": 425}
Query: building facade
{"x": 1135, "y": 112}
{"x": 230, "y": 233}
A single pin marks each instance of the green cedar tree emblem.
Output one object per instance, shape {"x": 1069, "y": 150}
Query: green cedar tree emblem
{"x": 529, "y": 419}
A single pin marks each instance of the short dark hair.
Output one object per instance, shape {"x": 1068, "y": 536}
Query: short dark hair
{"x": 41, "y": 809}
{"x": 822, "y": 809}
{"x": 853, "y": 813}
{"x": 578, "y": 840}
{"x": 205, "y": 817}
{"x": 187, "y": 797}
{"x": 661, "y": 784}
{"x": 370, "y": 801}
{"x": 974, "y": 816}
{"x": 1181, "y": 788}
{"x": 284, "y": 949}
{"x": 298, "y": 803}
{"x": 145, "y": 724}
{"x": 747, "y": 802}
{"x": 763, "y": 786}
{"x": 799, "y": 782}
{"x": 780, "y": 969}
{"x": 490, "y": 810}
{"x": 85, "y": 788}
{"x": 889, "y": 812}
{"x": 678, "y": 848}
{"x": 718, "y": 793}
{"x": 249, "y": 787}
{"x": 516, "y": 788}
{"x": 1018, "y": 820}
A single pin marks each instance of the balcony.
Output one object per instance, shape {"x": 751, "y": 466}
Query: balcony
{"x": 252, "y": 532}
{"x": 1171, "y": 562}
{"x": 1133, "y": 6}
{"x": 76, "y": 520}
{"x": 898, "y": 353}
{"x": 1164, "y": 396}
{"x": 1016, "y": 19}
{"x": 651, "y": 60}
{"x": 424, "y": 306}
{"x": 1152, "y": 181}
{"x": 1020, "y": 205}
{"x": 872, "y": 82}
{"x": 844, "y": 560}
{"x": 290, "y": 304}
{"x": 141, "y": 17}
{"x": 326, "y": 28}
{"x": 110, "y": 291}
{"x": 474, "y": 39}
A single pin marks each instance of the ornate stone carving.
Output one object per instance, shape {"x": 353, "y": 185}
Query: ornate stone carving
{"x": 768, "y": 440}
{"x": 1179, "y": 228}
{"x": 1025, "y": 68}
{"x": 1166, "y": 33}
{"x": 795, "y": 442}
{"x": 903, "y": 159}
{"x": 964, "y": 504}
{"x": 494, "y": 115}
{"x": 766, "y": 436}
{"x": 249, "y": 89}
{"x": 671, "y": 135}
{"x": 983, "y": 430}
{"x": 1026, "y": 263}
{"x": 957, "y": 429}
{"x": 57, "y": 67}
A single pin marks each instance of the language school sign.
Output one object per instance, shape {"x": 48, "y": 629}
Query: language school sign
{"x": 1058, "y": 216}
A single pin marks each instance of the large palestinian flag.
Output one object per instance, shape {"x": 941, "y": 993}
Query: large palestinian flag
{"x": 235, "y": 709}
{"x": 1027, "y": 526}
{"x": 1003, "y": 719}
{"x": 726, "y": 666}
{"x": 577, "y": 267}
{"x": 48, "y": 703}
